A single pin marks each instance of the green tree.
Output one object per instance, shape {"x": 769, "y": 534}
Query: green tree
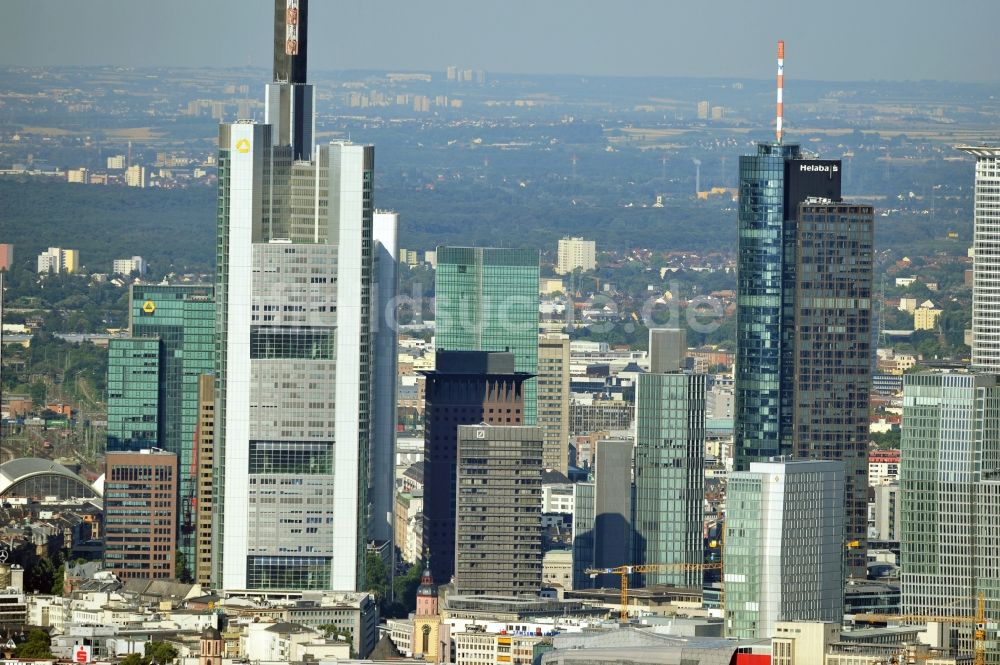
{"x": 160, "y": 653}
{"x": 36, "y": 646}
{"x": 405, "y": 586}
{"x": 132, "y": 659}
{"x": 181, "y": 570}
{"x": 58, "y": 578}
{"x": 376, "y": 576}
{"x": 38, "y": 391}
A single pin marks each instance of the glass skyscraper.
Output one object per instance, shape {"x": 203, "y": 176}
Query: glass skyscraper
{"x": 486, "y": 299}
{"x": 803, "y": 324}
{"x": 669, "y": 463}
{"x": 172, "y": 345}
{"x": 949, "y": 444}
{"x": 133, "y": 394}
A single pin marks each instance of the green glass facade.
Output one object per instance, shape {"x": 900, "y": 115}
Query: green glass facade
{"x": 486, "y": 299}
{"x": 180, "y": 321}
{"x": 669, "y": 474}
{"x": 133, "y": 394}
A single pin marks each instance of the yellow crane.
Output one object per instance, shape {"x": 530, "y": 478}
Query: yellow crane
{"x": 626, "y": 570}
{"x": 977, "y": 621}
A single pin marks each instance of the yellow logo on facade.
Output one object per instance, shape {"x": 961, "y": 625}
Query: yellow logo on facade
{"x": 148, "y": 307}
{"x": 243, "y": 145}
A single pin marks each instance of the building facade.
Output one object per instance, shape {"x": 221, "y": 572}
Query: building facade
{"x": 832, "y": 334}
{"x": 498, "y": 512}
{"x": 949, "y": 444}
{"x": 613, "y": 508}
{"x": 670, "y": 473}
{"x": 294, "y": 343}
{"x": 553, "y": 399}
{"x": 466, "y": 388}
{"x": 57, "y": 260}
{"x": 6, "y": 255}
{"x": 486, "y": 299}
{"x": 986, "y": 259}
{"x": 140, "y": 514}
{"x": 133, "y": 393}
{"x": 583, "y": 534}
{"x": 153, "y": 384}
{"x": 204, "y": 465}
{"x": 385, "y": 278}
{"x": 575, "y": 254}
{"x": 788, "y": 312}
{"x": 784, "y": 546}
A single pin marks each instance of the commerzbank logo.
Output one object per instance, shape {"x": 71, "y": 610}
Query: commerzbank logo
{"x": 243, "y": 146}
{"x": 148, "y": 307}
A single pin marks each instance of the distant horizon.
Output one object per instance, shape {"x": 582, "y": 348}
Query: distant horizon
{"x": 847, "y": 41}
{"x": 665, "y": 77}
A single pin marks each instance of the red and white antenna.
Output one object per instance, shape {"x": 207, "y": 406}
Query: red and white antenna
{"x": 781, "y": 87}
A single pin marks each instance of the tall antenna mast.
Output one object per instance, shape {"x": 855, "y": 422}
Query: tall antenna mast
{"x": 781, "y": 87}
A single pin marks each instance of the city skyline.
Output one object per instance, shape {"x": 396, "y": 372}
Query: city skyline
{"x": 558, "y": 38}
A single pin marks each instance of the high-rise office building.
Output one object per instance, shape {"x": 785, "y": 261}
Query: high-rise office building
{"x": 986, "y": 260}
{"x": 667, "y": 350}
{"x": 383, "y": 447}
{"x": 486, "y": 299}
{"x": 498, "y": 511}
{"x": 293, "y": 343}
{"x": 553, "y": 399}
{"x": 772, "y": 184}
{"x": 465, "y": 388}
{"x": 613, "y": 506}
{"x": 153, "y": 384}
{"x": 133, "y": 394}
{"x": 776, "y": 334}
{"x": 834, "y": 259}
{"x": 949, "y": 444}
{"x": 670, "y": 463}
{"x": 204, "y": 465}
{"x": 575, "y": 254}
{"x": 583, "y": 534}
{"x": 784, "y": 546}
{"x": 140, "y": 514}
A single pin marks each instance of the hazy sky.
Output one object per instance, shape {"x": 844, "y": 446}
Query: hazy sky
{"x": 825, "y": 39}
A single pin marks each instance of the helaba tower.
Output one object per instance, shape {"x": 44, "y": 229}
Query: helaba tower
{"x": 297, "y": 468}
{"x": 803, "y": 318}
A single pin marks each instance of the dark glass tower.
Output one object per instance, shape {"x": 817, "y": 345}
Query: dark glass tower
{"x": 465, "y": 388}
{"x": 803, "y": 322}
{"x": 290, "y": 105}
{"x": 772, "y": 184}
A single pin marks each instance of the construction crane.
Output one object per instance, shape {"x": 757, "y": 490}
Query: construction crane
{"x": 977, "y": 621}
{"x": 626, "y": 570}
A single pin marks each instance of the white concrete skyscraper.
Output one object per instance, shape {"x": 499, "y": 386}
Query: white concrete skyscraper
{"x": 986, "y": 260}
{"x": 297, "y": 472}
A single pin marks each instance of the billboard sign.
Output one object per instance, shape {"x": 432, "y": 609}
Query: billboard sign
{"x": 810, "y": 178}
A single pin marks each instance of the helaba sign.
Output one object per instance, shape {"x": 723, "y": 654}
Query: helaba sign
{"x": 818, "y": 167}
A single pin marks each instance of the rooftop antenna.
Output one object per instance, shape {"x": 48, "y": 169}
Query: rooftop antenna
{"x": 781, "y": 87}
